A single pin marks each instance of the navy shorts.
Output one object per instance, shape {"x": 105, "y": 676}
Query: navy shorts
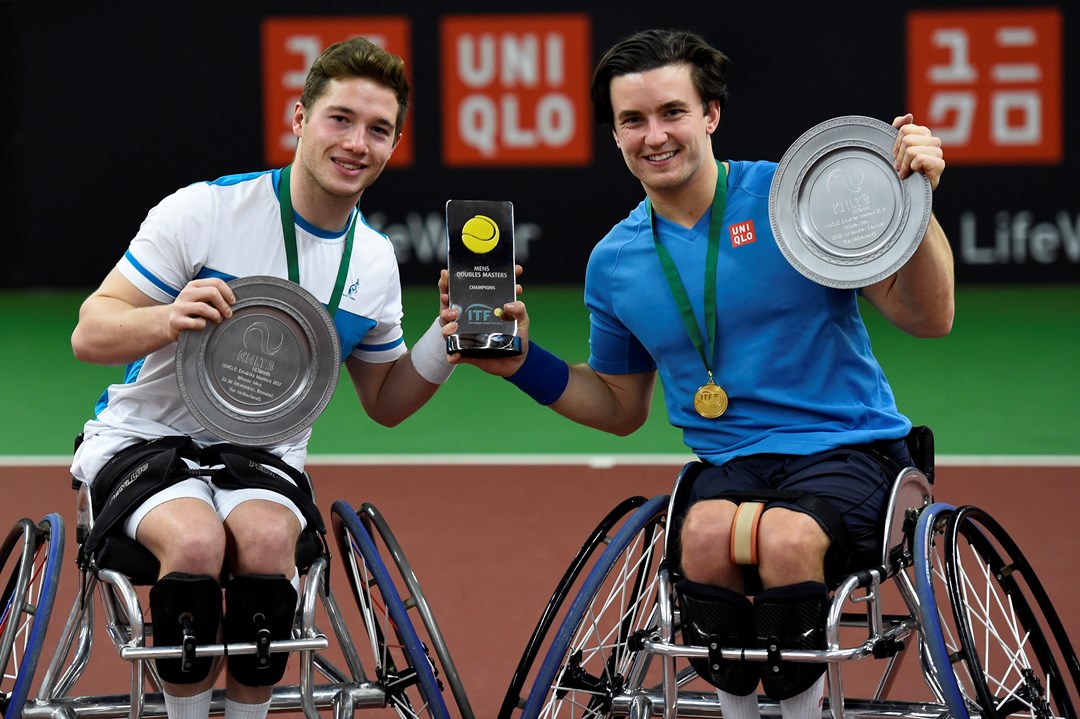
{"x": 854, "y": 481}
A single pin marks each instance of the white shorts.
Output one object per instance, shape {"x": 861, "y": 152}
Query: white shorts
{"x": 223, "y": 501}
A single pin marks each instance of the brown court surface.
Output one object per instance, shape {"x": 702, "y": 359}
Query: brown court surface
{"x": 488, "y": 543}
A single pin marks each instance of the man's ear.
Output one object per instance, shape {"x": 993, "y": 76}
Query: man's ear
{"x": 712, "y": 116}
{"x": 298, "y": 116}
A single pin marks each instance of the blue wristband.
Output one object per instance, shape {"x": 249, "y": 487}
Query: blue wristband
{"x": 542, "y": 375}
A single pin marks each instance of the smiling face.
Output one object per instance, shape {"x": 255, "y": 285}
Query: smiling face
{"x": 663, "y": 127}
{"x": 346, "y": 139}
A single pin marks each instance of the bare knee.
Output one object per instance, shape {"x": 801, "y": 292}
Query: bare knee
{"x": 185, "y": 536}
{"x": 792, "y": 547}
{"x": 202, "y": 554}
{"x": 262, "y": 538}
{"x": 704, "y": 541}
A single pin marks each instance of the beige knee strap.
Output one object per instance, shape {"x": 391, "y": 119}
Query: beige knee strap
{"x": 744, "y": 528}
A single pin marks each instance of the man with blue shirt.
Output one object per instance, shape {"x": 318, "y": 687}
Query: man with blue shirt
{"x": 173, "y": 278}
{"x": 769, "y": 375}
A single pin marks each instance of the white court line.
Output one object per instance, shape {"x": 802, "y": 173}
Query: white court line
{"x": 596, "y": 461}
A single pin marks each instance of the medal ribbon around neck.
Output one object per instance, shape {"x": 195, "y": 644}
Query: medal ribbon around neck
{"x": 710, "y": 401}
{"x": 288, "y": 228}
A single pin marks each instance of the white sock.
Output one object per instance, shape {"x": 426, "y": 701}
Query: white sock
{"x": 236, "y": 710}
{"x": 194, "y": 707}
{"x": 734, "y": 706}
{"x": 806, "y": 705}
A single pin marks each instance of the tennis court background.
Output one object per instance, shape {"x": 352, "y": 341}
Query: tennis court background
{"x": 1004, "y": 382}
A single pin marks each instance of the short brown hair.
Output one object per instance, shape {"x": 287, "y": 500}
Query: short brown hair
{"x": 357, "y": 57}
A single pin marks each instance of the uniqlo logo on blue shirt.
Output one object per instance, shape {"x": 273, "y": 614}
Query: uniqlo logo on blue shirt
{"x": 742, "y": 233}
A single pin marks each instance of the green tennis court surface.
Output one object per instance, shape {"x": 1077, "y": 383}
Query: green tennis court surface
{"x": 1005, "y": 382}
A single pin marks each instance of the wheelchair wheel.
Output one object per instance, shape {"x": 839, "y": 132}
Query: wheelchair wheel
{"x": 601, "y": 536}
{"x": 591, "y": 656}
{"x": 1013, "y": 648}
{"x": 384, "y": 539}
{"x": 30, "y": 557}
{"x": 401, "y": 664}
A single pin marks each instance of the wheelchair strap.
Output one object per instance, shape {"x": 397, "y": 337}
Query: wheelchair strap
{"x": 744, "y": 529}
{"x": 131, "y": 477}
{"x": 243, "y": 469}
{"x": 814, "y": 506}
{"x": 143, "y": 469}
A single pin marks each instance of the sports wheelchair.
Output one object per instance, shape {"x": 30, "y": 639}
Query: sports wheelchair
{"x": 390, "y": 666}
{"x": 990, "y": 643}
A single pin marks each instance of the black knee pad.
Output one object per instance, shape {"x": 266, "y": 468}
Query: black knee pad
{"x": 713, "y": 615}
{"x": 259, "y": 608}
{"x": 791, "y": 617}
{"x": 186, "y": 611}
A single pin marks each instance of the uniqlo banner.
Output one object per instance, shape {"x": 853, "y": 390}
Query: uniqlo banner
{"x": 989, "y": 83}
{"x": 515, "y": 90}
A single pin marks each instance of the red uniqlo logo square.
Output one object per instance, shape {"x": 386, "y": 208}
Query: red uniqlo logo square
{"x": 515, "y": 90}
{"x": 742, "y": 233}
{"x": 290, "y": 45}
{"x": 989, "y": 83}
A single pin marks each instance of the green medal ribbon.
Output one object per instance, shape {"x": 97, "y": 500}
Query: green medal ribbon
{"x": 288, "y": 228}
{"x": 678, "y": 290}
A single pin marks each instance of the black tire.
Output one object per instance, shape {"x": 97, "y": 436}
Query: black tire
{"x": 402, "y": 666}
{"x": 30, "y": 557}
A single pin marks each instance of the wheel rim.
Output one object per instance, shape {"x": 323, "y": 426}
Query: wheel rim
{"x": 26, "y": 604}
{"x": 401, "y": 663}
{"x": 1011, "y": 642}
{"x": 591, "y": 661}
{"x": 414, "y": 599}
{"x": 600, "y": 537}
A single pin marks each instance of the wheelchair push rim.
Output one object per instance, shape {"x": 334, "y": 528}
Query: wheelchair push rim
{"x": 27, "y": 601}
{"x": 401, "y": 662}
{"x": 414, "y": 599}
{"x": 591, "y": 662}
{"x": 600, "y": 536}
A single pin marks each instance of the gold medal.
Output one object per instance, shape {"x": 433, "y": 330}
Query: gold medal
{"x": 711, "y": 400}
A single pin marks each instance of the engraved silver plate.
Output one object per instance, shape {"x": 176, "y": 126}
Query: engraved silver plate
{"x": 266, "y": 373}
{"x": 839, "y": 211}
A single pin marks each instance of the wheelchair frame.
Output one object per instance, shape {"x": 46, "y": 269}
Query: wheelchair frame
{"x": 990, "y": 642}
{"x": 390, "y": 667}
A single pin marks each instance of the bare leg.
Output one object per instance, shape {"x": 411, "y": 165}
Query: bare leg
{"x": 262, "y": 540}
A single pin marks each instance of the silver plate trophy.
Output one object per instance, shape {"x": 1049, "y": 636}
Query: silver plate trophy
{"x": 266, "y": 373}
{"x": 839, "y": 211}
{"x": 480, "y": 266}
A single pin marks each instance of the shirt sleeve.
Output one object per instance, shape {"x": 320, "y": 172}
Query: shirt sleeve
{"x": 171, "y": 245}
{"x": 613, "y": 348}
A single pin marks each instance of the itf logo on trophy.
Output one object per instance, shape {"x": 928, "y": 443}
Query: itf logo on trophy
{"x": 480, "y": 262}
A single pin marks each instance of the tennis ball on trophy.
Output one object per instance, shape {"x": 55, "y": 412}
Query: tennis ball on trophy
{"x": 480, "y": 234}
